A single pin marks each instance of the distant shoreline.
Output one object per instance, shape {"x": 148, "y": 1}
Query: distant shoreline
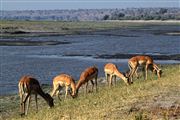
{"x": 56, "y": 28}
{"x": 146, "y": 21}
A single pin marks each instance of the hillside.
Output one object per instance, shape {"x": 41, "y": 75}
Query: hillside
{"x": 150, "y": 99}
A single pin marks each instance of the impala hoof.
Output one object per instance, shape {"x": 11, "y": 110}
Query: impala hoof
{"x": 22, "y": 114}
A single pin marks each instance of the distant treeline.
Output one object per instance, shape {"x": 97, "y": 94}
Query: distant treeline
{"x": 94, "y": 14}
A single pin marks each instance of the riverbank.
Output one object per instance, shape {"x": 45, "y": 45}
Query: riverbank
{"x": 53, "y": 28}
{"x": 150, "y": 99}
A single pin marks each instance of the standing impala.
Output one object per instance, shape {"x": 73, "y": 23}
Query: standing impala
{"x": 144, "y": 61}
{"x": 27, "y": 86}
{"x": 88, "y": 75}
{"x": 63, "y": 80}
{"x": 111, "y": 71}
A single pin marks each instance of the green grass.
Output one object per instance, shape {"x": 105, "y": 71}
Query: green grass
{"x": 60, "y": 27}
{"x": 143, "y": 100}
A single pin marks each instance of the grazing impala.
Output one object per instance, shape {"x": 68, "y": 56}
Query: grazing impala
{"x": 111, "y": 71}
{"x": 27, "y": 86}
{"x": 88, "y": 75}
{"x": 63, "y": 80}
{"x": 144, "y": 61}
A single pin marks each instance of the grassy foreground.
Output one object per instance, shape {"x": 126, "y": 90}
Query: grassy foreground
{"x": 144, "y": 100}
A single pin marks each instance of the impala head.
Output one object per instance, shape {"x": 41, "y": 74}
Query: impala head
{"x": 73, "y": 93}
{"x": 50, "y": 100}
{"x": 155, "y": 69}
{"x": 127, "y": 81}
{"x": 126, "y": 74}
{"x": 127, "y": 78}
{"x": 159, "y": 73}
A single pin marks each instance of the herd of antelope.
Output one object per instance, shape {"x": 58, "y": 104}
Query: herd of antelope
{"x": 29, "y": 85}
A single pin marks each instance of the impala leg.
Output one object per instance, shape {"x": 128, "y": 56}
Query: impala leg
{"x": 92, "y": 85}
{"x": 70, "y": 92}
{"x": 132, "y": 73}
{"x": 28, "y": 103}
{"x": 146, "y": 71}
{"x": 24, "y": 102}
{"x": 55, "y": 89}
{"x": 58, "y": 94}
{"x": 96, "y": 83}
{"x": 66, "y": 92}
{"x": 137, "y": 73}
{"x": 36, "y": 103}
{"x": 110, "y": 81}
{"x": 85, "y": 89}
{"x": 21, "y": 104}
{"x": 114, "y": 79}
{"x": 106, "y": 77}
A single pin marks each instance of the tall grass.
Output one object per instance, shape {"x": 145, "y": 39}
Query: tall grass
{"x": 137, "y": 102}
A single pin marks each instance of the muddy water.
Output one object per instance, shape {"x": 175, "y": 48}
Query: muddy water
{"x": 46, "y": 61}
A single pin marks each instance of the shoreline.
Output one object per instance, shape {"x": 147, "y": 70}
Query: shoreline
{"x": 147, "y": 21}
{"x": 30, "y": 43}
{"x": 55, "y": 28}
{"x": 48, "y": 87}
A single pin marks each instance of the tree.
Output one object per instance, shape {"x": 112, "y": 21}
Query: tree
{"x": 163, "y": 11}
{"x": 106, "y": 17}
{"x": 120, "y": 15}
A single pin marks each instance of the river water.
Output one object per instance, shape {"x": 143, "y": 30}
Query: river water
{"x": 82, "y": 51}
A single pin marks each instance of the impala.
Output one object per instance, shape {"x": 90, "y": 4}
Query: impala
{"x": 63, "y": 80}
{"x": 112, "y": 71}
{"x": 88, "y": 75}
{"x": 27, "y": 86}
{"x": 146, "y": 62}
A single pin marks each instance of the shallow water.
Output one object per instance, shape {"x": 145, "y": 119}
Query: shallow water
{"x": 45, "y": 62}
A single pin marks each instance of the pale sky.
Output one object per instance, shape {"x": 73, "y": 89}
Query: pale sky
{"x": 83, "y": 4}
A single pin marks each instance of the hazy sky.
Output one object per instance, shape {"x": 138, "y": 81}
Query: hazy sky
{"x": 83, "y": 4}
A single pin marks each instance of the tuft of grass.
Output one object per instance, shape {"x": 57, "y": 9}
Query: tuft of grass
{"x": 143, "y": 100}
